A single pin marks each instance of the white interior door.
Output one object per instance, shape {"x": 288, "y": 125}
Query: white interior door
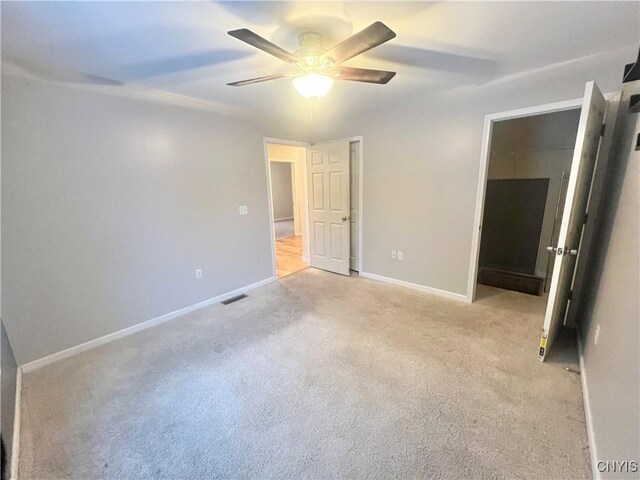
{"x": 328, "y": 187}
{"x": 573, "y": 218}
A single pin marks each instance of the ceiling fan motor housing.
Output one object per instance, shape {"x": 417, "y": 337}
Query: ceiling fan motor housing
{"x": 310, "y": 51}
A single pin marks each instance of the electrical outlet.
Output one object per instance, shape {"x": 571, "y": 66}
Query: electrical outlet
{"x": 393, "y": 254}
{"x": 596, "y": 335}
{"x": 198, "y": 273}
{"x": 243, "y": 210}
{"x": 400, "y": 255}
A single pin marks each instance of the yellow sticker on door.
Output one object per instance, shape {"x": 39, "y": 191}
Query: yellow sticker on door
{"x": 543, "y": 344}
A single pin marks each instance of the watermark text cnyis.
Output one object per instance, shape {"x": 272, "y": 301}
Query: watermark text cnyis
{"x": 617, "y": 466}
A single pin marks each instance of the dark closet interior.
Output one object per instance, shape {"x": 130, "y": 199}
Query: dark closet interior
{"x": 511, "y": 227}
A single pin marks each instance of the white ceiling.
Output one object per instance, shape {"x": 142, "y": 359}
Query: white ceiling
{"x": 182, "y": 47}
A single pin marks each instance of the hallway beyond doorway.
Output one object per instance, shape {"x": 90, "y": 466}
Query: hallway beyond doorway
{"x": 289, "y": 256}
{"x": 283, "y": 229}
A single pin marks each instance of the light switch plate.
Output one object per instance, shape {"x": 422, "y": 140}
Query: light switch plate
{"x": 243, "y": 210}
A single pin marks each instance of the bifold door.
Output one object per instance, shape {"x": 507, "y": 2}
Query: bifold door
{"x": 574, "y": 215}
{"x": 329, "y": 207}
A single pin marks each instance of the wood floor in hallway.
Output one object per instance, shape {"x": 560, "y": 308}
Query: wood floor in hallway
{"x": 289, "y": 256}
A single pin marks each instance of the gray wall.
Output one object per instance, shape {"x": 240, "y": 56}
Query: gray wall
{"x": 111, "y": 200}
{"x": 8, "y": 395}
{"x": 612, "y": 366}
{"x": 546, "y": 132}
{"x": 536, "y": 147}
{"x": 421, "y": 160}
{"x": 281, "y": 190}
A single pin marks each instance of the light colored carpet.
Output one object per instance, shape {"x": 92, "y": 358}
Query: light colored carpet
{"x": 317, "y": 376}
{"x": 284, "y": 228}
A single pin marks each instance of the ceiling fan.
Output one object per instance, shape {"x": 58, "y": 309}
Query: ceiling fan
{"x": 314, "y": 68}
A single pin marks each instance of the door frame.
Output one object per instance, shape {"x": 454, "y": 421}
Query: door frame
{"x": 485, "y": 155}
{"x": 305, "y": 234}
{"x": 294, "y": 143}
{"x": 360, "y": 140}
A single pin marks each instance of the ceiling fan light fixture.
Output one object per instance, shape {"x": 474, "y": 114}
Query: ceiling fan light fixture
{"x": 312, "y": 85}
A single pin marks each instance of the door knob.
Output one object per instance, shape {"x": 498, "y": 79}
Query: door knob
{"x": 344, "y": 219}
{"x": 557, "y": 250}
{"x": 563, "y": 251}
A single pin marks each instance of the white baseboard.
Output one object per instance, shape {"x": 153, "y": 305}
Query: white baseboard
{"x": 593, "y": 452}
{"x": 282, "y": 219}
{"x": 15, "y": 444}
{"x": 54, "y": 357}
{"x": 415, "y": 286}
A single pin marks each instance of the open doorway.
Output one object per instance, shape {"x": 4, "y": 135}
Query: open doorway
{"x": 315, "y": 198}
{"x": 529, "y": 165}
{"x": 576, "y": 217}
{"x": 286, "y": 176}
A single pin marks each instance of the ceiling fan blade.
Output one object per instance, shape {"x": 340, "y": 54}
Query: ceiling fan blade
{"x": 259, "y": 79}
{"x": 263, "y": 44}
{"x": 375, "y": 34}
{"x": 364, "y": 75}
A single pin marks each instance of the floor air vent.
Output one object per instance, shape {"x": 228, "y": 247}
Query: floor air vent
{"x": 234, "y": 299}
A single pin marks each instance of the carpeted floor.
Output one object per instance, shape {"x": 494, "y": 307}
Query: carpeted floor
{"x": 316, "y": 376}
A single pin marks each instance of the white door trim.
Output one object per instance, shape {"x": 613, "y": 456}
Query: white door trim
{"x": 484, "y": 166}
{"x": 294, "y": 143}
{"x": 17, "y": 409}
{"x": 489, "y": 119}
{"x": 360, "y": 140}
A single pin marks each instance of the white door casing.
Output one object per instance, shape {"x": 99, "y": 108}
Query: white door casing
{"x": 573, "y": 217}
{"x": 329, "y": 206}
{"x": 355, "y": 203}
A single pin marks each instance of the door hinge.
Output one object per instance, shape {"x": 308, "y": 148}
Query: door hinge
{"x": 602, "y": 129}
{"x": 586, "y": 215}
{"x": 570, "y": 295}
